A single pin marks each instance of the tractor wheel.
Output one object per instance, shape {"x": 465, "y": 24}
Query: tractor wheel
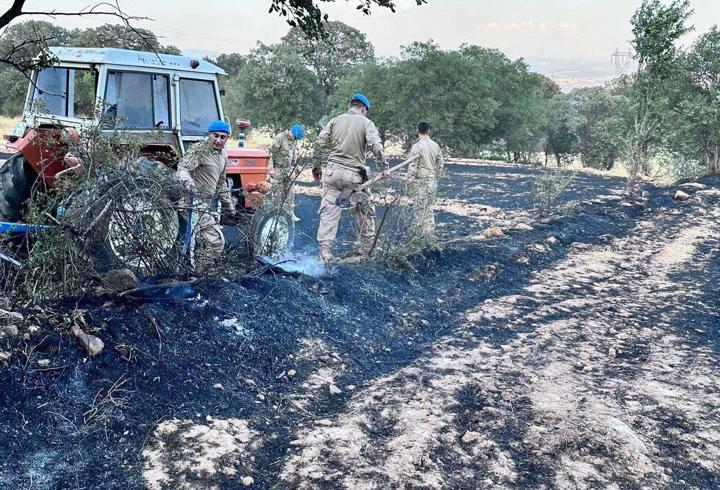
{"x": 17, "y": 179}
{"x": 272, "y": 232}
{"x": 137, "y": 230}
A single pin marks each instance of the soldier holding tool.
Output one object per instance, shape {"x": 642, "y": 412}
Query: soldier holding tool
{"x": 348, "y": 138}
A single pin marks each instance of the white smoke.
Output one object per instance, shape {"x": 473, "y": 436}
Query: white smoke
{"x": 306, "y": 263}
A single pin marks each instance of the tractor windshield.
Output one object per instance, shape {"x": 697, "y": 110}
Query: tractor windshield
{"x": 136, "y": 101}
{"x": 65, "y": 92}
{"x": 198, "y": 106}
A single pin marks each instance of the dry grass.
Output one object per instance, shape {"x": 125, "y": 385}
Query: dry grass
{"x": 255, "y": 139}
{"x": 7, "y": 124}
{"x": 262, "y": 140}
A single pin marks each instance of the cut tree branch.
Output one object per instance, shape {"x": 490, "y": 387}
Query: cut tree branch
{"x": 102, "y": 9}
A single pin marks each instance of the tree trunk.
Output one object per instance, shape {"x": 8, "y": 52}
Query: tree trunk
{"x": 644, "y": 160}
{"x": 713, "y": 162}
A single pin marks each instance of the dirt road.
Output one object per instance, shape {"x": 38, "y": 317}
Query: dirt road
{"x": 578, "y": 354}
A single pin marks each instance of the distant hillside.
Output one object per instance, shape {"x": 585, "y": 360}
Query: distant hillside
{"x": 574, "y": 73}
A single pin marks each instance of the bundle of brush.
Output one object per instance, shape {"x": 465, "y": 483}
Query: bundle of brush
{"x": 113, "y": 208}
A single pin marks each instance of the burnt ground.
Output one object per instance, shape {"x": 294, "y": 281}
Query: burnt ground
{"x": 578, "y": 354}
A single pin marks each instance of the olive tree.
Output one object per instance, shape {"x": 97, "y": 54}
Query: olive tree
{"x": 656, "y": 29}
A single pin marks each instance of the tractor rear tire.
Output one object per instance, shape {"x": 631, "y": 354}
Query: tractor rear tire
{"x": 272, "y": 232}
{"x": 17, "y": 179}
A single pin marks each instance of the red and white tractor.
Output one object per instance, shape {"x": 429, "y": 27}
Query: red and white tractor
{"x": 166, "y": 100}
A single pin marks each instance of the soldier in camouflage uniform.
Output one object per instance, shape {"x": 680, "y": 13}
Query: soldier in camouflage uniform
{"x": 422, "y": 177}
{"x": 203, "y": 173}
{"x": 284, "y": 169}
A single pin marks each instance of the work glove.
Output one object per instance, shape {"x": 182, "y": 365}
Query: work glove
{"x": 317, "y": 174}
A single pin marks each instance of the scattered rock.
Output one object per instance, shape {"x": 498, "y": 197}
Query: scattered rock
{"x": 350, "y": 387}
{"x": 247, "y": 481}
{"x": 9, "y": 330}
{"x": 291, "y": 373}
{"x": 523, "y": 260}
{"x": 43, "y": 363}
{"x": 218, "y": 386}
{"x": 493, "y": 232}
{"x": 5, "y": 356}
{"x": 612, "y": 352}
{"x": 93, "y": 345}
{"x": 334, "y": 390}
{"x": 521, "y": 219}
{"x": 551, "y": 240}
{"x": 539, "y": 247}
{"x": 324, "y": 422}
{"x": 522, "y": 227}
{"x": 627, "y": 433}
{"x": 681, "y": 196}
{"x": 317, "y": 475}
{"x": 470, "y": 436}
{"x": 697, "y": 186}
{"x": 120, "y": 280}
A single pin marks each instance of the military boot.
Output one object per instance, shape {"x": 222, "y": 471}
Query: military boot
{"x": 326, "y": 254}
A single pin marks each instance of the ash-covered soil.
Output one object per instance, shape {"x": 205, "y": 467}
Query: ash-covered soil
{"x": 581, "y": 353}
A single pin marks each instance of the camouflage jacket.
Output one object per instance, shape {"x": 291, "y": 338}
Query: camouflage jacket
{"x": 206, "y": 168}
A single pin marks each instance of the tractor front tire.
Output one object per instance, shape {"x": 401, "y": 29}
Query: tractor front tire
{"x": 272, "y": 232}
{"x": 17, "y": 179}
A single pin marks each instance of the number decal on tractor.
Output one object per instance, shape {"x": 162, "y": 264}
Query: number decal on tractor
{"x": 251, "y": 163}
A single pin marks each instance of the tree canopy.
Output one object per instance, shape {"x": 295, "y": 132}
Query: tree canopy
{"x": 479, "y": 101}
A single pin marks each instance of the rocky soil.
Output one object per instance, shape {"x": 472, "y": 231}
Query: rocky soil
{"x": 577, "y": 351}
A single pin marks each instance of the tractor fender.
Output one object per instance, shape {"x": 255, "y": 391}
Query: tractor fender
{"x": 44, "y": 150}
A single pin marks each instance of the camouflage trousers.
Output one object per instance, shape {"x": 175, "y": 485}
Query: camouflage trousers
{"x": 283, "y": 191}
{"x": 208, "y": 241}
{"x": 335, "y": 180}
{"x": 423, "y": 194}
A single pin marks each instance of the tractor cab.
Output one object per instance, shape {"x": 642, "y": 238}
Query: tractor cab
{"x": 174, "y": 97}
{"x": 168, "y": 100}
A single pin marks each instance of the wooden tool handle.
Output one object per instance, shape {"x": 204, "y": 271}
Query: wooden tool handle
{"x": 390, "y": 170}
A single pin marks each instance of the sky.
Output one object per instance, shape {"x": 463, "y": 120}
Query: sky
{"x": 567, "y": 29}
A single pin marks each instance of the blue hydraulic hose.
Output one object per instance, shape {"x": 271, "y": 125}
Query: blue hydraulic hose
{"x": 188, "y": 228}
{"x": 6, "y": 227}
